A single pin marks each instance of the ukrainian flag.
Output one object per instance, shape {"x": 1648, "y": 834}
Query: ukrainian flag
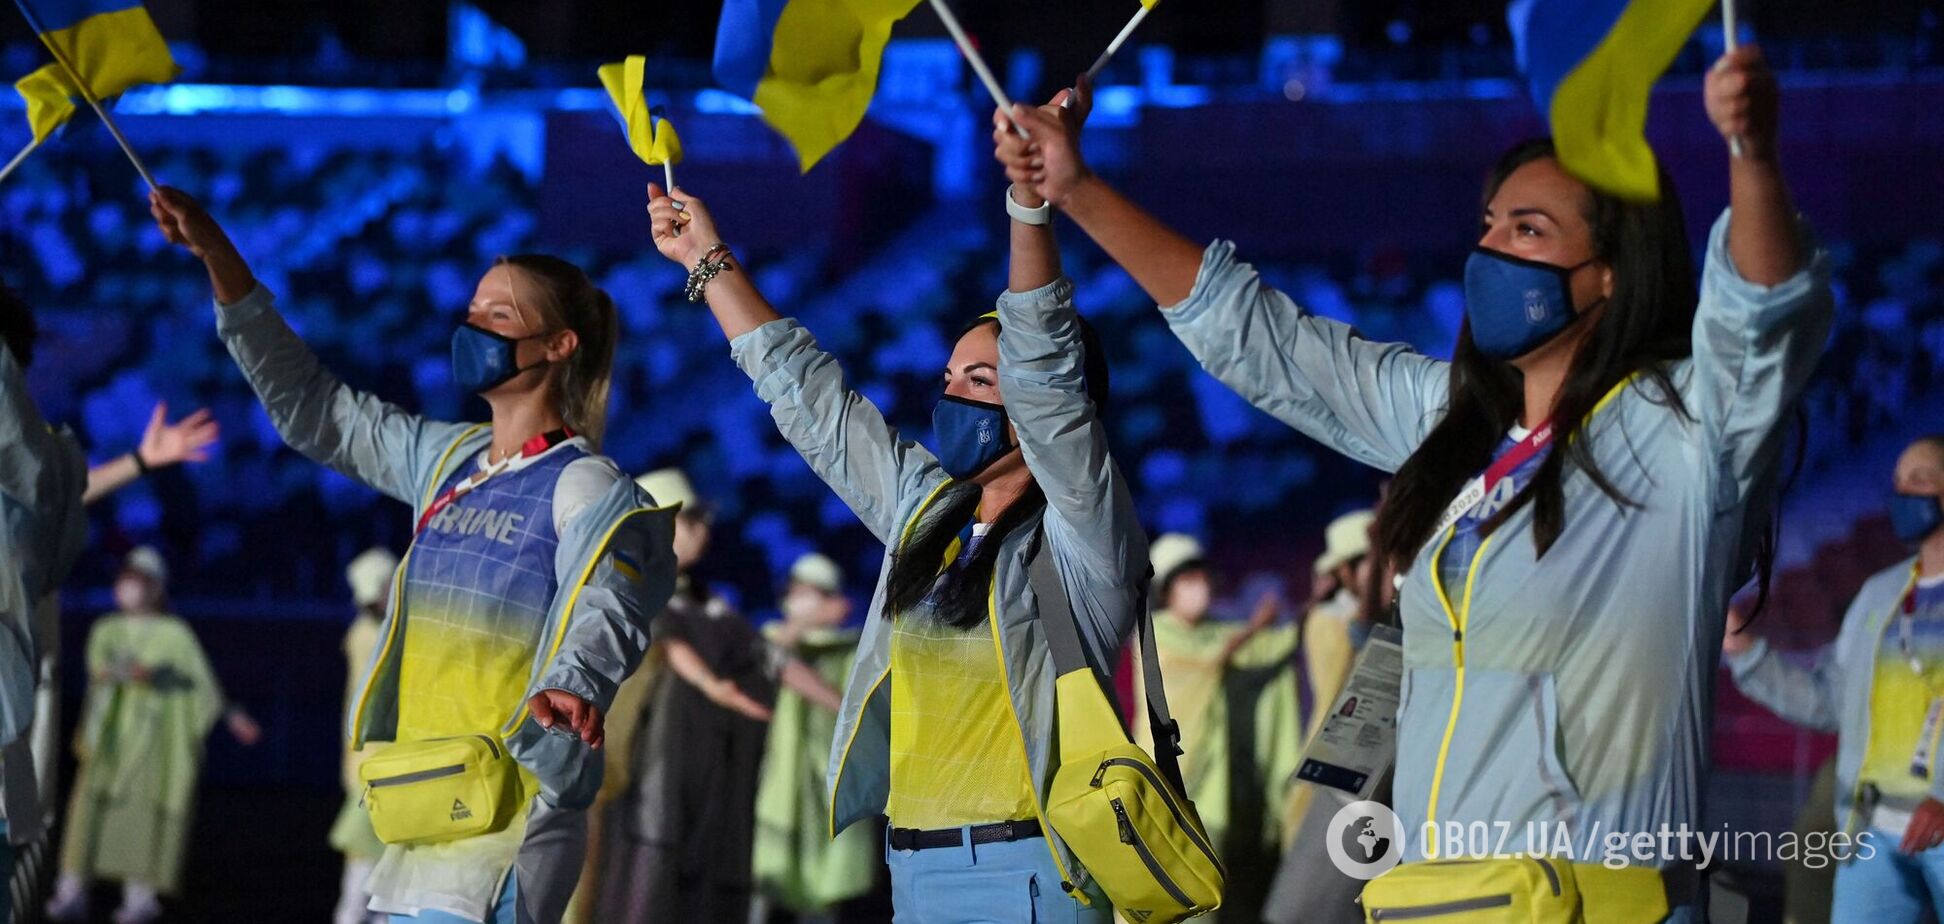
{"x": 111, "y": 44}
{"x": 1592, "y": 65}
{"x": 810, "y": 65}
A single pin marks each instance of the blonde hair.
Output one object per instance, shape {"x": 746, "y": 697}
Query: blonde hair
{"x": 575, "y": 303}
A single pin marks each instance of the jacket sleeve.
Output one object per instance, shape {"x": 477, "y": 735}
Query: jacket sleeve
{"x": 1754, "y": 350}
{"x": 629, "y": 567}
{"x": 843, "y": 436}
{"x": 1810, "y": 695}
{"x": 1373, "y": 402}
{"x": 316, "y": 414}
{"x": 1089, "y": 507}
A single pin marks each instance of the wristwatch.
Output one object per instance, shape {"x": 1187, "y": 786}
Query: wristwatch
{"x": 1025, "y": 216}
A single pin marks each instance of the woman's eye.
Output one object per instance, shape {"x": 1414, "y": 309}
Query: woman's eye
{"x": 982, "y": 381}
{"x": 1526, "y": 230}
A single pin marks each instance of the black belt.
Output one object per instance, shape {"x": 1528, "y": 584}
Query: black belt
{"x": 1001, "y": 833}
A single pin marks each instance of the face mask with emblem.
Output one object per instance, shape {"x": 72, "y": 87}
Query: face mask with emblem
{"x": 1515, "y": 305}
{"x": 970, "y": 435}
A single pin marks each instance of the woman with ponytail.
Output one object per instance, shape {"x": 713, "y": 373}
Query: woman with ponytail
{"x": 1577, "y": 490}
{"x": 947, "y": 722}
{"x": 526, "y": 595}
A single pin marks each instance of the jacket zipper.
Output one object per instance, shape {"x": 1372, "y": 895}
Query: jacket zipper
{"x": 1132, "y": 838}
{"x": 1415, "y": 912}
{"x": 1181, "y": 817}
{"x": 418, "y": 776}
{"x": 1457, "y": 619}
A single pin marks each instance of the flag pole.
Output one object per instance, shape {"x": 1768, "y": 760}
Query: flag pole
{"x": 18, "y": 159}
{"x": 1119, "y": 40}
{"x": 1732, "y": 42}
{"x": 668, "y": 174}
{"x": 979, "y": 67}
{"x": 33, "y": 23}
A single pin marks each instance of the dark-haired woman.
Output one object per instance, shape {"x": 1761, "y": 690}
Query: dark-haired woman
{"x": 525, "y": 597}
{"x": 1575, "y": 491}
{"x": 947, "y": 722}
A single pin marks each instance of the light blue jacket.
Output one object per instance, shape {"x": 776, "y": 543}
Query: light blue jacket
{"x": 1833, "y": 692}
{"x": 1576, "y": 691}
{"x": 1090, "y": 524}
{"x": 615, "y": 566}
{"x": 42, "y": 527}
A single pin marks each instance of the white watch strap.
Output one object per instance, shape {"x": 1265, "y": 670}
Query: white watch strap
{"x": 1025, "y": 216}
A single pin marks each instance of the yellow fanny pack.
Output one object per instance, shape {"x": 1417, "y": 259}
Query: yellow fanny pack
{"x": 440, "y": 789}
{"x": 1121, "y": 812}
{"x": 1525, "y": 890}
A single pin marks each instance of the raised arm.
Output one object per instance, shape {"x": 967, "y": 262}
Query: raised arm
{"x": 1765, "y": 307}
{"x": 843, "y": 436}
{"x": 163, "y": 444}
{"x": 1373, "y": 402}
{"x": 1807, "y": 694}
{"x": 315, "y": 413}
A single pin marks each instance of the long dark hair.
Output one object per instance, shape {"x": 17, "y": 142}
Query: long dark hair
{"x": 919, "y": 570}
{"x": 1648, "y": 323}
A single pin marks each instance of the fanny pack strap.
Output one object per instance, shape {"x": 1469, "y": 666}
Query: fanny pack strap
{"x": 1063, "y": 638}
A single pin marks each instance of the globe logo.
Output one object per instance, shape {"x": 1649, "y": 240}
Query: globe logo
{"x": 1365, "y": 840}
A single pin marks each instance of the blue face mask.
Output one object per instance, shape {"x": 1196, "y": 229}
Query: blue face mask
{"x": 971, "y": 435}
{"x": 1913, "y": 517}
{"x": 1516, "y": 305}
{"x": 483, "y": 360}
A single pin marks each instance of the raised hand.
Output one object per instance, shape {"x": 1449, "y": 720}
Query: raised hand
{"x": 184, "y": 223}
{"x": 186, "y": 440}
{"x": 1743, "y": 100}
{"x": 1048, "y": 165}
{"x": 682, "y": 226}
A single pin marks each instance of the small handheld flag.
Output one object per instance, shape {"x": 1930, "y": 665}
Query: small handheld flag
{"x": 50, "y": 103}
{"x": 651, "y": 137}
{"x": 103, "y": 47}
{"x": 1592, "y": 65}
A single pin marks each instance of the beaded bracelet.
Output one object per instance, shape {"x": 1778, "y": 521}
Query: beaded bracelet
{"x": 713, "y": 262}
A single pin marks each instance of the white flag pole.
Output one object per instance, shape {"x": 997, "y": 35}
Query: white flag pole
{"x": 979, "y": 67}
{"x": 1732, "y": 42}
{"x": 668, "y": 174}
{"x": 1119, "y": 40}
{"x": 18, "y": 159}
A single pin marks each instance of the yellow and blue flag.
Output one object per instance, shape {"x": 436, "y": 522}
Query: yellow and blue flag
{"x": 111, "y": 44}
{"x": 1592, "y": 65}
{"x": 650, "y": 135}
{"x": 50, "y": 100}
{"x": 811, "y": 66}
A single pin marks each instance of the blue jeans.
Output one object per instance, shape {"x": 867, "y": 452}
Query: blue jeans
{"x": 505, "y": 910}
{"x": 1012, "y": 883}
{"x": 1889, "y": 887}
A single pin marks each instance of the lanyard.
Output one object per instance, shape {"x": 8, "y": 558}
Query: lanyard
{"x": 529, "y": 449}
{"x": 1906, "y": 615}
{"x": 1481, "y": 487}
